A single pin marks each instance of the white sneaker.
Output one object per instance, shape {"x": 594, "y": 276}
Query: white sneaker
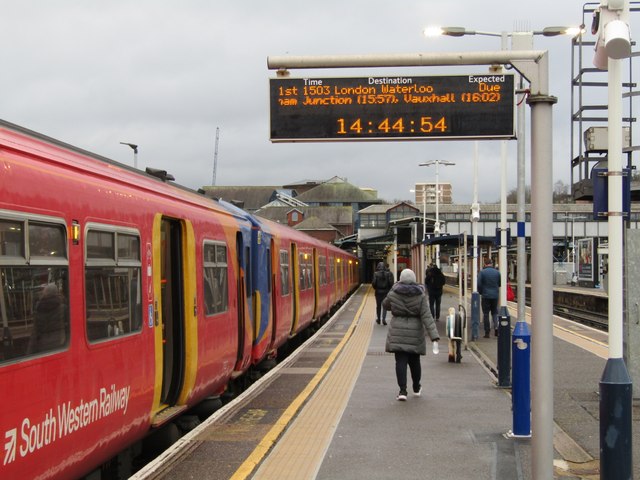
{"x": 402, "y": 397}
{"x": 418, "y": 393}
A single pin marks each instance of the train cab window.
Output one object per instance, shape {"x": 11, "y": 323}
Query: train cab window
{"x": 112, "y": 283}
{"x": 215, "y": 278}
{"x": 284, "y": 272}
{"x": 34, "y": 277}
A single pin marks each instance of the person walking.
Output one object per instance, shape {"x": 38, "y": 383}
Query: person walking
{"x": 411, "y": 320}
{"x": 434, "y": 280}
{"x": 489, "y": 289}
{"x": 382, "y": 283}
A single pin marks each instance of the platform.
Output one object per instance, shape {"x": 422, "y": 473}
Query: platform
{"x": 330, "y": 412}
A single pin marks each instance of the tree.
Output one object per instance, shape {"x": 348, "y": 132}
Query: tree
{"x": 561, "y": 193}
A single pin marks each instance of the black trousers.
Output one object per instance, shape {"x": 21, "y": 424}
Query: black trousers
{"x": 413, "y": 360}
{"x": 489, "y": 306}
{"x": 380, "y": 296}
{"x": 434, "y": 304}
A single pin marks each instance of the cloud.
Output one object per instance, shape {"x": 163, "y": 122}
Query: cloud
{"x": 165, "y": 74}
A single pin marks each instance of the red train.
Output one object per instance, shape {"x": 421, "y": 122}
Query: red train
{"x": 128, "y": 301}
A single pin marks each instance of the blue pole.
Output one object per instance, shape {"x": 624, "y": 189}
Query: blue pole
{"x": 521, "y": 388}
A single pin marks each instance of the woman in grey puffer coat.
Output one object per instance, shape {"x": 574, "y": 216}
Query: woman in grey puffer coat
{"x": 411, "y": 320}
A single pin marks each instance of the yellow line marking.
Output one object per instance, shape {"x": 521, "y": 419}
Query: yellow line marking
{"x": 274, "y": 433}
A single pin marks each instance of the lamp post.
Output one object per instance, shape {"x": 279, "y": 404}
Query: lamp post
{"x": 424, "y": 228}
{"x": 542, "y": 358}
{"x": 134, "y": 147}
{"x": 436, "y": 229}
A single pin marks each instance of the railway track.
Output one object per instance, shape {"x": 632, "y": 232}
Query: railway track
{"x": 592, "y": 319}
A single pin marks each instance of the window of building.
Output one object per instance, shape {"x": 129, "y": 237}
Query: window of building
{"x": 402, "y": 211}
{"x": 373, "y": 220}
{"x": 34, "y": 276}
{"x": 216, "y": 283}
{"x": 112, "y": 282}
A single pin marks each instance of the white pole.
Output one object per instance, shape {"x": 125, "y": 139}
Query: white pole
{"x": 474, "y": 220}
{"x": 437, "y": 229}
{"x": 503, "y": 227}
{"x": 615, "y": 210}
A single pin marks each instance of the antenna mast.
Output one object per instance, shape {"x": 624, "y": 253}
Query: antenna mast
{"x": 215, "y": 156}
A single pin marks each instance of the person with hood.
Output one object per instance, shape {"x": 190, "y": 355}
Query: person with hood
{"x": 411, "y": 320}
{"x": 382, "y": 283}
{"x": 434, "y": 280}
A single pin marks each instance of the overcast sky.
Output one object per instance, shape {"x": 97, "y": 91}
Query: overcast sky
{"x": 164, "y": 74}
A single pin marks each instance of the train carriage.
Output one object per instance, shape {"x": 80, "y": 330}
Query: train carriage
{"x": 125, "y": 343}
{"x": 127, "y": 300}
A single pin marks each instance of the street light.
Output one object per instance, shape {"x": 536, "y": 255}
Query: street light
{"x": 436, "y": 229}
{"x": 434, "y": 31}
{"x": 424, "y": 210}
{"x": 542, "y": 353}
{"x": 134, "y": 147}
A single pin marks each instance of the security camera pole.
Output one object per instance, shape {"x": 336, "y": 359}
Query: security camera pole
{"x": 616, "y": 454}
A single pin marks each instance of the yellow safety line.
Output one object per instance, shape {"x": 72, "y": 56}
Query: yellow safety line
{"x": 274, "y": 433}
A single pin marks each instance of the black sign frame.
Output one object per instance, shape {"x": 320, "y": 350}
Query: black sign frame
{"x": 440, "y": 107}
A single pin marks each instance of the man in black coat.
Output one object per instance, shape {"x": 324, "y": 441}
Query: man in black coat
{"x": 434, "y": 280}
{"x": 382, "y": 283}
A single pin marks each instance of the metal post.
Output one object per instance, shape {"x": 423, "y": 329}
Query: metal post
{"x": 616, "y": 455}
{"x": 534, "y": 65}
{"x": 475, "y": 214}
{"x": 521, "y": 389}
{"x": 504, "y": 348}
{"x": 541, "y": 284}
{"x": 437, "y": 227}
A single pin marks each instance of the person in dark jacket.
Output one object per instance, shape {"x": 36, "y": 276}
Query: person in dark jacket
{"x": 489, "y": 289}
{"x": 411, "y": 320}
{"x": 434, "y": 280}
{"x": 382, "y": 283}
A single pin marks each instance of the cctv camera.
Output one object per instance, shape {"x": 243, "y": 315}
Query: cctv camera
{"x": 616, "y": 39}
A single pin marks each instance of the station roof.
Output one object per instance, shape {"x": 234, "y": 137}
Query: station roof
{"x": 458, "y": 240}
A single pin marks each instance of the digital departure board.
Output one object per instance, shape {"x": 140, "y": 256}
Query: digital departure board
{"x": 392, "y": 108}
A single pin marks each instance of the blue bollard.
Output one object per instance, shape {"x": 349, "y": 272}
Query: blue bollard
{"x": 521, "y": 389}
{"x": 475, "y": 316}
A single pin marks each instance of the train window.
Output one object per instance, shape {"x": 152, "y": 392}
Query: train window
{"x": 306, "y": 273}
{"x": 12, "y": 239}
{"x": 322, "y": 274}
{"x": 215, "y": 278}
{"x": 332, "y": 271}
{"x": 34, "y": 272}
{"x": 46, "y": 241}
{"x": 284, "y": 272}
{"x": 112, "y": 283}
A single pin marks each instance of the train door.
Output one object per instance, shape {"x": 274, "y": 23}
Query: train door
{"x": 316, "y": 284}
{"x": 295, "y": 286}
{"x": 172, "y": 303}
{"x": 245, "y": 333}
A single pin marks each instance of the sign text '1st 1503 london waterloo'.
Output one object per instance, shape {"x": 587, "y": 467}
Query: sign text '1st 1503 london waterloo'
{"x": 392, "y": 108}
